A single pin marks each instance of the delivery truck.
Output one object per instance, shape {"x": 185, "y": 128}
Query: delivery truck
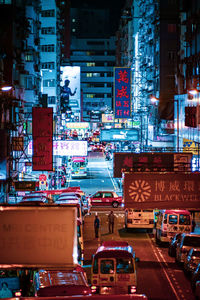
{"x": 34, "y": 238}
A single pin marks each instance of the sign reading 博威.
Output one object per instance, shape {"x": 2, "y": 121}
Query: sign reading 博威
{"x": 162, "y": 190}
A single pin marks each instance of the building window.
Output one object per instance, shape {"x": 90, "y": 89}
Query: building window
{"x": 171, "y": 55}
{"x": 29, "y": 57}
{"x": 94, "y": 104}
{"x": 48, "y": 13}
{"x": 28, "y": 83}
{"x": 90, "y": 64}
{"x": 49, "y": 83}
{"x": 95, "y": 43}
{"x": 52, "y": 100}
{"x": 48, "y": 65}
{"x": 171, "y": 28}
{"x": 5, "y": 1}
{"x": 48, "y": 30}
{"x": 47, "y": 48}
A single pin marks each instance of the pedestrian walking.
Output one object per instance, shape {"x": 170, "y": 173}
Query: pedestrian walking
{"x": 111, "y": 221}
{"x": 96, "y": 226}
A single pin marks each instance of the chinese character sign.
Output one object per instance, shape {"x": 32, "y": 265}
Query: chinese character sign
{"x": 161, "y": 190}
{"x": 42, "y": 139}
{"x": 122, "y": 93}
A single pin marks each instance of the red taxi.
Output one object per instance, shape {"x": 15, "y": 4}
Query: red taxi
{"x": 105, "y": 198}
{"x": 53, "y": 283}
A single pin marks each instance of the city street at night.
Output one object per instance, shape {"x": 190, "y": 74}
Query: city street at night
{"x": 100, "y": 149}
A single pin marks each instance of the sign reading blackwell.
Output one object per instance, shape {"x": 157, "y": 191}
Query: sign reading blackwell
{"x": 122, "y": 93}
{"x": 151, "y": 162}
{"x": 162, "y": 190}
{"x": 42, "y": 139}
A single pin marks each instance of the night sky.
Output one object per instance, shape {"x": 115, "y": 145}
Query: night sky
{"x": 115, "y": 7}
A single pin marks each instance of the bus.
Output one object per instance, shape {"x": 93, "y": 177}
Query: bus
{"x": 114, "y": 269}
{"x": 172, "y": 221}
{"x": 79, "y": 167}
{"x": 139, "y": 218}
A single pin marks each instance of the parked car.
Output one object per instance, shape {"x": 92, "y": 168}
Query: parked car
{"x": 173, "y": 244}
{"x": 195, "y": 277}
{"x": 52, "y": 283}
{"x": 192, "y": 260}
{"x": 105, "y": 198}
{"x": 34, "y": 199}
{"x": 188, "y": 241}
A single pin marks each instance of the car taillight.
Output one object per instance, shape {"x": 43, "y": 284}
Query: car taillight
{"x": 94, "y": 289}
{"x": 132, "y": 289}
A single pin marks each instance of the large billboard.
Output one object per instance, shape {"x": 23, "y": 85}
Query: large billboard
{"x": 151, "y": 162}
{"x": 70, "y": 88}
{"x": 66, "y": 148}
{"x": 42, "y": 139}
{"x": 38, "y": 236}
{"x": 118, "y": 134}
{"x": 122, "y": 92}
{"x": 162, "y": 190}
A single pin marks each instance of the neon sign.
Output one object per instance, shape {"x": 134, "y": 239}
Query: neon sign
{"x": 122, "y": 93}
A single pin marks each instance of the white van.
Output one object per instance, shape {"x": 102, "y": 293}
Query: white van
{"x": 114, "y": 269}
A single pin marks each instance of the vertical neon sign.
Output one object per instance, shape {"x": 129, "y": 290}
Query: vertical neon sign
{"x": 122, "y": 93}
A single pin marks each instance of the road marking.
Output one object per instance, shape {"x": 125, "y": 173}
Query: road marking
{"x": 113, "y": 182}
{"x": 160, "y": 262}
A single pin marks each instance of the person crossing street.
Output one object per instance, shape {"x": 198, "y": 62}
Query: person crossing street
{"x": 111, "y": 221}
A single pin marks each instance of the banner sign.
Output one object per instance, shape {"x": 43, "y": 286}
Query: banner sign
{"x": 162, "y": 190}
{"x": 17, "y": 143}
{"x": 151, "y": 162}
{"x": 117, "y": 134}
{"x": 122, "y": 92}
{"x": 42, "y": 236}
{"x": 42, "y": 139}
{"x": 25, "y": 185}
{"x": 107, "y": 118}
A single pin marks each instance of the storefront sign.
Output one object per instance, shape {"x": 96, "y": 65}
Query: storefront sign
{"x": 25, "y": 185}
{"x": 122, "y": 92}
{"x": 42, "y": 139}
{"x": 162, "y": 190}
{"x": 151, "y": 162}
{"x": 117, "y": 134}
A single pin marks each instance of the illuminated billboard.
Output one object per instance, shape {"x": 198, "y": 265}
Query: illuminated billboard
{"x": 107, "y": 118}
{"x": 161, "y": 190}
{"x": 122, "y": 92}
{"x": 70, "y": 88}
{"x": 117, "y": 134}
{"x": 42, "y": 139}
{"x": 66, "y": 148}
{"x": 77, "y": 125}
{"x": 151, "y": 162}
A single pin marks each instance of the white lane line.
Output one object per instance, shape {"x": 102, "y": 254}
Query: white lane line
{"x": 109, "y": 173}
{"x": 160, "y": 262}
